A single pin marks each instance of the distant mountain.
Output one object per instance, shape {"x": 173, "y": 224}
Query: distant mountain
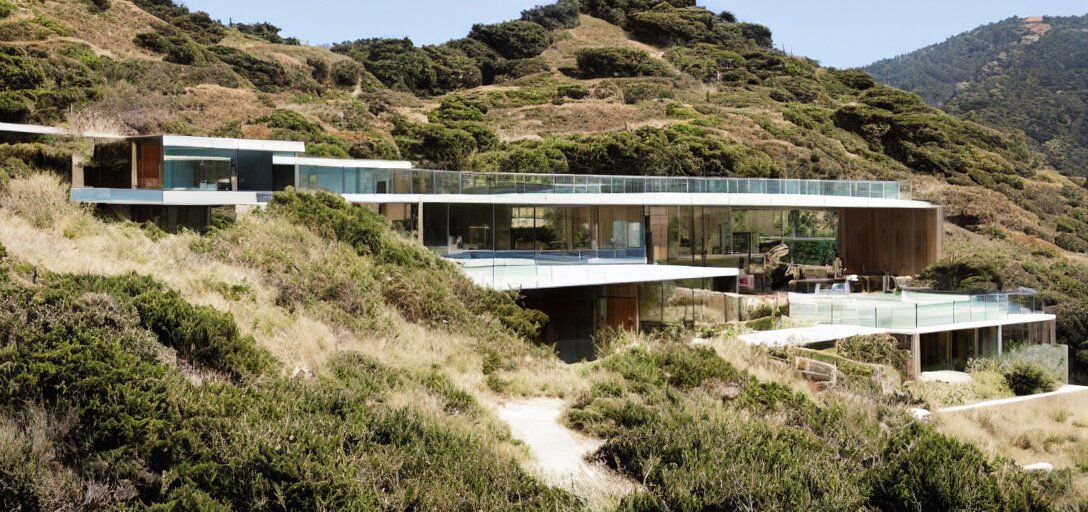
{"x": 1027, "y": 74}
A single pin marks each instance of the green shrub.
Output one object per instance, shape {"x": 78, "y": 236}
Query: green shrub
{"x": 457, "y": 108}
{"x": 706, "y": 62}
{"x": 639, "y": 92}
{"x": 875, "y": 349}
{"x": 266, "y": 76}
{"x": 923, "y": 470}
{"x": 6, "y": 9}
{"x": 617, "y": 62}
{"x": 346, "y": 73}
{"x": 513, "y": 39}
{"x": 1028, "y": 379}
{"x": 435, "y": 146}
{"x": 420, "y": 285}
{"x": 560, "y": 15}
{"x": 266, "y": 31}
{"x": 174, "y": 46}
{"x": 399, "y": 64}
{"x": 574, "y": 92}
{"x": 956, "y": 275}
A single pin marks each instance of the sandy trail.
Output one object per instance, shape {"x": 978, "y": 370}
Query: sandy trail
{"x": 559, "y": 453}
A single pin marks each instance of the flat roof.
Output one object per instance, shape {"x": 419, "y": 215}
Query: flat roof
{"x": 183, "y": 141}
{"x": 646, "y": 199}
{"x": 801, "y": 336}
{"x": 508, "y": 276}
{"x": 34, "y": 129}
{"x": 341, "y": 163}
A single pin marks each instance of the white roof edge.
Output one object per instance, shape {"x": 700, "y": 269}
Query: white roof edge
{"x": 647, "y": 199}
{"x": 35, "y": 129}
{"x": 341, "y": 162}
{"x": 225, "y": 143}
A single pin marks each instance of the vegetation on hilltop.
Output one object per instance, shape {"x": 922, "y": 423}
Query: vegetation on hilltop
{"x": 1018, "y": 74}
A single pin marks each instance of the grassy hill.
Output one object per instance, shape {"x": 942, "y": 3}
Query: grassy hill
{"x": 309, "y": 358}
{"x": 1021, "y": 74}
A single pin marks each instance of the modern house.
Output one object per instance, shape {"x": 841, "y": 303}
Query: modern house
{"x": 590, "y": 251}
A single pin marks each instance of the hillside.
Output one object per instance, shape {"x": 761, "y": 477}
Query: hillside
{"x": 308, "y": 357}
{"x": 1020, "y": 74}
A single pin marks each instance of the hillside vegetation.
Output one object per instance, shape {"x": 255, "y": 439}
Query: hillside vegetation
{"x": 1020, "y": 74}
{"x": 307, "y": 357}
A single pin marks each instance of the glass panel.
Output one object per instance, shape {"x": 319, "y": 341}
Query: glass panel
{"x": 199, "y": 169}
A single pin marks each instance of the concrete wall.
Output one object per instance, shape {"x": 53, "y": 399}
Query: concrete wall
{"x": 899, "y": 241}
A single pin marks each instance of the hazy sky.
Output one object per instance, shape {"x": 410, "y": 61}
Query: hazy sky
{"x": 843, "y": 33}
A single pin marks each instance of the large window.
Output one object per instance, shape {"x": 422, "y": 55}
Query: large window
{"x": 555, "y": 233}
{"x": 199, "y": 169}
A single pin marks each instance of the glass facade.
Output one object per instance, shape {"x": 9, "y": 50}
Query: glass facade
{"x": 585, "y": 234}
{"x": 199, "y": 169}
{"x": 730, "y": 237}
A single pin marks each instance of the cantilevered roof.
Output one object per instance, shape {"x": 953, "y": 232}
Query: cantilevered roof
{"x": 182, "y": 141}
{"x": 498, "y": 275}
{"x": 645, "y": 199}
{"x": 33, "y": 129}
{"x": 341, "y": 163}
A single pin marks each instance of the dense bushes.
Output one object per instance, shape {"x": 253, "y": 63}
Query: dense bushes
{"x": 266, "y": 76}
{"x": 420, "y": 285}
{"x": 399, "y": 64}
{"x": 205, "y": 337}
{"x": 958, "y": 275}
{"x": 266, "y": 31}
{"x": 513, "y": 39}
{"x": 678, "y": 150}
{"x": 701, "y": 435}
{"x": 709, "y": 63}
{"x": 559, "y": 15}
{"x": 92, "y": 418}
{"x": 174, "y": 46}
{"x": 617, "y": 62}
{"x": 1028, "y": 379}
{"x": 906, "y": 129}
{"x": 875, "y": 349}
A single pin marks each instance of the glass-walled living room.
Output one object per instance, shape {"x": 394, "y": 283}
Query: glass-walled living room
{"x": 735, "y": 237}
{"x": 546, "y": 234}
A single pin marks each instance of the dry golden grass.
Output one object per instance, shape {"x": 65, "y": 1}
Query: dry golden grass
{"x": 110, "y": 33}
{"x": 1052, "y": 429}
{"x": 593, "y": 33}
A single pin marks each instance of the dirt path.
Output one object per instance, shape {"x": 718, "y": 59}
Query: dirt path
{"x": 559, "y": 453}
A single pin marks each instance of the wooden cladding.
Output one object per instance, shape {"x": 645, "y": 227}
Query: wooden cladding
{"x": 149, "y": 164}
{"x": 900, "y": 241}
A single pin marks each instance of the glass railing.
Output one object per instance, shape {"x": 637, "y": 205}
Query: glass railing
{"x": 909, "y": 311}
{"x": 119, "y": 195}
{"x": 419, "y": 181}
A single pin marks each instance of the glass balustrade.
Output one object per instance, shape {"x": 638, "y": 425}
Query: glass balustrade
{"x": 911, "y": 310}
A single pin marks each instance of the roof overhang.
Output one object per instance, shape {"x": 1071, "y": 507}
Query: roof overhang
{"x": 341, "y": 163}
{"x": 500, "y": 275}
{"x": 646, "y": 199}
{"x": 281, "y": 146}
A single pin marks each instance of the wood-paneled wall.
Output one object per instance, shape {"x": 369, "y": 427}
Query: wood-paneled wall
{"x": 900, "y": 241}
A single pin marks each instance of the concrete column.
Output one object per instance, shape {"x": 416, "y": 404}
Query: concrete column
{"x": 135, "y": 163}
{"x": 915, "y": 355}
{"x": 419, "y": 222}
{"x": 77, "y": 171}
{"x": 976, "y": 343}
{"x": 1000, "y": 342}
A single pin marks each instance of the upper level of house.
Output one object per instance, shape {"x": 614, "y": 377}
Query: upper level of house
{"x": 172, "y": 170}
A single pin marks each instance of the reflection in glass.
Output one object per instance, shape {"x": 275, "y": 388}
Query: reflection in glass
{"x": 198, "y": 169}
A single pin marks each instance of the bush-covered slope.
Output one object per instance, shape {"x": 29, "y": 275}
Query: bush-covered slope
{"x": 1017, "y": 74}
